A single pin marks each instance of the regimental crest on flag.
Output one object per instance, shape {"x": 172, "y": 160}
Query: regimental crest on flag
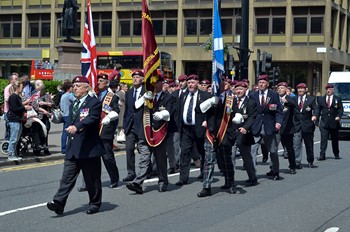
{"x": 217, "y": 49}
{"x": 88, "y": 54}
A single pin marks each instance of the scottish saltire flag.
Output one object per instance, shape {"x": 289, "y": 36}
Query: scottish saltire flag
{"x": 217, "y": 49}
{"x": 88, "y": 54}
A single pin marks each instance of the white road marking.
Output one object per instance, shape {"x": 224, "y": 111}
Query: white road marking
{"x": 332, "y": 229}
{"x": 121, "y": 187}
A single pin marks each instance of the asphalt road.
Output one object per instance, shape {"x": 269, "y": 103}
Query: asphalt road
{"x": 312, "y": 200}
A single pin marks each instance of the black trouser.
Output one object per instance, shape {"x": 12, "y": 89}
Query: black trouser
{"x": 264, "y": 151}
{"x": 109, "y": 161}
{"x": 188, "y": 139}
{"x": 287, "y": 142}
{"x": 38, "y": 135}
{"x": 324, "y": 141}
{"x": 91, "y": 169}
{"x": 131, "y": 140}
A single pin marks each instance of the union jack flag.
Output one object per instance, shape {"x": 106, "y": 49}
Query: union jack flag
{"x": 88, "y": 54}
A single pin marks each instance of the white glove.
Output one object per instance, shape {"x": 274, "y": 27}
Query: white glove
{"x": 205, "y": 106}
{"x": 92, "y": 93}
{"x": 238, "y": 119}
{"x": 161, "y": 115}
{"x": 139, "y": 102}
{"x": 106, "y": 120}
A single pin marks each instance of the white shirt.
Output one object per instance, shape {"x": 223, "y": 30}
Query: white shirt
{"x": 331, "y": 100}
{"x": 187, "y": 103}
{"x": 138, "y": 92}
{"x": 265, "y": 95}
{"x": 303, "y": 97}
{"x": 241, "y": 102}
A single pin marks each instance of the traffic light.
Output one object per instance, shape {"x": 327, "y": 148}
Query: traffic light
{"x": 266, "y": 62}
{"x": 274, "y": 75}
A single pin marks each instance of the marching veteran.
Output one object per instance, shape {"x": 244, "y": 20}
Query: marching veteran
{"x": 84, "y": 149}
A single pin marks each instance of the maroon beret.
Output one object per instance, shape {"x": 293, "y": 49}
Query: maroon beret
{"x": 228, "y": 80}
{"x": 329, "y": 86}
{"x": 301, "y": 85}
{"x": 172, "y": 84}
{"x": 80, "y": 79}
{"x": 103, "y": 76}
{"x": 139, "y": 73}
{"x": 241, "y": 84}
{"x": 234, "y": 82}
{"x": 263, "y": 77}
{"x": 193, "y": 77}
{"x": 282, "y": 84}
{"x": 245, "y": 80}
{"x": 205, "y": 82}
{"x": 182, "y": 77}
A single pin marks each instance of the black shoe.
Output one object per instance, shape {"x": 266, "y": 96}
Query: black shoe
{"x": 180, "y": 183}
{"x": 252, "y": 182}
{"x": 135, "y": 187}
{"x": 225, "y": 186}
{"x": 40, "y": 147}
{"x": 171, "y": 171}
{"x": 336, "y": 157}
{"x": 47, "y": 152}
{"x": 232, "y": 190}
{"x": 128, "y": 178}
{"x": 321, "y": 158}
{"x": 53, "y": 206}
{"x": 82, "y": 189}
{"x": 264, "y": 160}
{"x": 275, "y": 176}
{"x": 92, "y": 210}
{"x": 204, "y": 193}
{"x": 292, "y": 171}
{"x": 114, "y": 185}
{"x": 162, "y": 187}
{"x": 298, "y": 166}
{"x": 200, "y": 177}
{"x": 311, "y": 165}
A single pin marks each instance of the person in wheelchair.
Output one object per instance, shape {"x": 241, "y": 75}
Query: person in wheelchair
{"x": 42, "y": 104}
{"x": 15, "y": 117}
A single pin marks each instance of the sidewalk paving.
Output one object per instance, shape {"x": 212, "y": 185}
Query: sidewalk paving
{"x": 54, "y": 147}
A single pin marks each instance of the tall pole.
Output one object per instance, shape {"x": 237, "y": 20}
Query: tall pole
{"x": 244, "y": 41}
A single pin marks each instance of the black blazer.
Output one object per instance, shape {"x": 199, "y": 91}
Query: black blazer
{"x": 108, "y": 131}
{"x": 86, "y": 143}
{"x": 288, "y": 109}
{"x": 199, "y": 116}
{"x": 328, "y": 116}
{"x": 164, "y": 102}
{"x": 264, "y": 114}
{"x": 133, "y": 118}
{"x": 248, "y": 110}
{"x": 302, "y": 119}
{"x": 214, "y": 117}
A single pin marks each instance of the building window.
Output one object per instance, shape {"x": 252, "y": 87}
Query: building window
{"x": 206, "y": 27}
{"x": 300, "y": 25}
{"x": 278, "y": 25}
{"x": 226, "y": 26}
{"x": 102, "y": 24}
{"x": 137, "y": 27}
{"x": 10, "y": 26}
{"x": 124, "y": 28}
{"x": 158, "y": 27}
{"x": 262, "y": 26}
{"x": 171, "y": 27}
{"x": 106, "y": 28}
{"x": 190, "y": 27}
{"x": 39, "y": 25}
{"x": 316, "y": 25}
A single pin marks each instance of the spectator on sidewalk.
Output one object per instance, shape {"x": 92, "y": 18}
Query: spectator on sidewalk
{"x": 66, "y": 100}
{"x": 15, "y": 116}
{"x": 13, "y": 78}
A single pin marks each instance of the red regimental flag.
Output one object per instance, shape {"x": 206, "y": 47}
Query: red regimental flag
{"x": 88, "y": 54}
{"x": 151, "y": 57}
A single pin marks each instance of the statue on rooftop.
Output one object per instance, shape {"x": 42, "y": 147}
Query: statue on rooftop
{"x": 69, "y": 16}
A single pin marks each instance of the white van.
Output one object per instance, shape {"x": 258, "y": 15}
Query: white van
{"x": 341, "y": 82}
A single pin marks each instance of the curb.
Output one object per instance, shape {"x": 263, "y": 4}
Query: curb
{"x": 40, "y": 159}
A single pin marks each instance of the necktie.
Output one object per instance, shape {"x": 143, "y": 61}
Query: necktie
{"x": 135, "y": 94}
{"x": 262, "y": 99}
{"x": 329, "y": 102}
{"x": 155, "y": 100}
{"x": 75, "y": 108}
{"x": 239, "y": 103}
{"x": 301, "y": 103}
{"x": 189, "y": 111}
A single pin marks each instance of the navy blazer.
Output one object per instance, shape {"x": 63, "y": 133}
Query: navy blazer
{"x": 288, "y": 109}
{"x": 86, "y": 142}
{"x": 302, "y": 119}
{"x": 266, "y": 115}
{"x": 328, "y": 115}
{"x": 199, "y": 116}
{"x": 133, "y": 118}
